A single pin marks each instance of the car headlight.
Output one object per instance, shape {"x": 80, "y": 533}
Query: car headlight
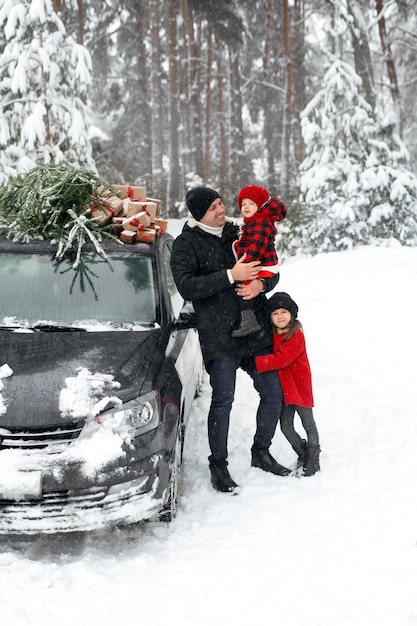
{"x": 135, "y": 417}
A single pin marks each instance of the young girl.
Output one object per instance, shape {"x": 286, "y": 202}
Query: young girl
{"x": 290, "y": 360}
{"x": 260, "y": 211}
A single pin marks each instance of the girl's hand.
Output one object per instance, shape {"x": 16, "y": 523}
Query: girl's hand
{"x": 244, "y": 271}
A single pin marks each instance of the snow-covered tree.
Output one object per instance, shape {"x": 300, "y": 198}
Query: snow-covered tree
{"x": 354, "y": 183}
{"x": 44, "y": 75}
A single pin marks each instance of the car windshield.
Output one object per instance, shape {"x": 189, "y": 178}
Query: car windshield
{"x": 34, "y": 290}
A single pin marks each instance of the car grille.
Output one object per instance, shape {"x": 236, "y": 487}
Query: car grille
{"x": 81, "y": 497}
{"x": 41, "y": 438}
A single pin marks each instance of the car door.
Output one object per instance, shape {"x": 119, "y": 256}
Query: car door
{"x": 183, "y": 345}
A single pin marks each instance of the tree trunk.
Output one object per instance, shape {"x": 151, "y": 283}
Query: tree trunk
{"x": 144, "y": 115}
{"x": 173, "y": 152}
{"x": 298, "y": 66}
{"x": 222, "y": 125}
{"x": 80, "y": 22}
{"x": 239, "y": 166}
{"x": 193, "y": 108}
{"x": 390, "y": 64}
{"x": 207, "y": 146}
{"x": 269, "y": 122}
{"x": 156, "y": 98}
{"x": 289, "y": 80}
{"x": 361, "y": 51}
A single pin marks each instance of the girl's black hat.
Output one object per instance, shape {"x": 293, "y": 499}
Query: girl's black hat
{"x": 281, "y": 300}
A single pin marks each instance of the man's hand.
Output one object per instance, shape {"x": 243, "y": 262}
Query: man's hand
{"x": 244, "y": 271}
{"x": 251, "y": 290}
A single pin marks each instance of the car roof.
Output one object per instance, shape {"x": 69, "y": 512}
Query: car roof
{"x": 109, "y": 246}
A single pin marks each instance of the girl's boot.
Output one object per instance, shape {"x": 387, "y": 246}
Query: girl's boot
{"x": 302, "y": 454}
{"x": 312, "y": 462}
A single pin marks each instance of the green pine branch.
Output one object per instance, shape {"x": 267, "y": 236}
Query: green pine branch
{"x": 54, "y": 202}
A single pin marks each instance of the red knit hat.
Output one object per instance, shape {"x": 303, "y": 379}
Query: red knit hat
{"x": 258, "y": 195}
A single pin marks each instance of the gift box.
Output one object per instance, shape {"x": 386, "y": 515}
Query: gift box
{"x": 158, "y": 205}
{"x": 136, "y": 194}
{"x": 160, "y": 226}
{"x": 127, "y": 236}
{"x": 147, "y": 235}
{"x": 116, "y": 229}
{"x": 134, "y": 222}
{"x": 102, "y": 215}
{"x": 135, "y": 207}
{"x": 107, "y": 197}
{"x": 114, "y": 203}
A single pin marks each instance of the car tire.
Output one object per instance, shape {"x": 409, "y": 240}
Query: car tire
{"x": 169, "y": 510}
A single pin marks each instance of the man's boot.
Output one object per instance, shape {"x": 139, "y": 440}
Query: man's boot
{"x": 265, "y": 461}
{"x": 222, "y": 481}
{"x": 248, "y": 324}
{"x": 312, "y": 462}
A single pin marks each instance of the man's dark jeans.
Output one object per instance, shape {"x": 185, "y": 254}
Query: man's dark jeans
{"x": 222, "y": 374}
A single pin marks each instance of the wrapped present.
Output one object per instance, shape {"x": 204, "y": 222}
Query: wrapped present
{"x": 102, "y": 215}
{"x": 160, "y": 226}
{"x": 135, "y": 194}
{"x": 136, "y": 207}
{"x": 134, "y": 222}
{"x": 114, "y": 203}
{"x": 129, "y": 194}
{"x": 108, "y": 198}
{"x": 127, "y": 236}
{"x": 158, "y": 205}
{"x": 116, "y": 229}
{"x": 146, "y": 235}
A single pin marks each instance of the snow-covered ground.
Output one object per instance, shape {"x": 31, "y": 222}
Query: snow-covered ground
{"x": 336, "y": 549}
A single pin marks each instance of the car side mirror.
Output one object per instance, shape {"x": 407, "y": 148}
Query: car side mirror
{"x": 186, "y": 318}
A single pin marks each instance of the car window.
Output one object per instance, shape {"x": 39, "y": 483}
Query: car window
{"x": 177, "y": 301}
{"x": 122, "y": 290}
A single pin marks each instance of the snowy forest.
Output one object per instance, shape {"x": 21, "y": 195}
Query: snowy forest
{"x": 313, "y": 99}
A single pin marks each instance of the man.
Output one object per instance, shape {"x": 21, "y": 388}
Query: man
{"x": 206, "y": 273}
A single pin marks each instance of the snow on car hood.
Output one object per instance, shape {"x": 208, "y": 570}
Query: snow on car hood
{"x": 45, "y": 368}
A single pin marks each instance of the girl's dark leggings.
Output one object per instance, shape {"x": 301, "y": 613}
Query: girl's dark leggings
{"x": 307, "y": 420}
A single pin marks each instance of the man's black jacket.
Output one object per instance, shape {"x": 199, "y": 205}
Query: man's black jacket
{"x": 199, "y": 262}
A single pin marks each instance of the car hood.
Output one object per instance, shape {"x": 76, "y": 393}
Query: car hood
{"x": 51, "y": 370}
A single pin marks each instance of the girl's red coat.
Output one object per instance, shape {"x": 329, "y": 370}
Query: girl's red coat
{"x": 291, "y": 362}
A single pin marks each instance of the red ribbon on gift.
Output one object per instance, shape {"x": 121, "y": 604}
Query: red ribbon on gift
{"x": 130, "y": 195}
{"x": 132, "y": 199}
{"x": 111, "y": 211}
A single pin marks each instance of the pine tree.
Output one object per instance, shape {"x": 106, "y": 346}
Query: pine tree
{"x": 44, "y": 75}
{"x": 354, "y": 183}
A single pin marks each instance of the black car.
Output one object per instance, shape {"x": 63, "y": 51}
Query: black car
{"x": 98, "y": 371}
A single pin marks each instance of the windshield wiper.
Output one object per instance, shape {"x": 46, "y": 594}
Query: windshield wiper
{"x": 56, "y": 328}
{"x": 9, "y": 327}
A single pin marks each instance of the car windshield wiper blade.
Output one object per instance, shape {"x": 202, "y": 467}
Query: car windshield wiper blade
{"x": 10, "y": 326}
{"x": 54, "y": 328}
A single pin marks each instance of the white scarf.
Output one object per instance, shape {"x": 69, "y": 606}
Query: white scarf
{"x": 217, "y": 231}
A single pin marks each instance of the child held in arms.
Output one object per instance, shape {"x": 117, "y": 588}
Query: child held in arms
{"x": 257, "y": 240}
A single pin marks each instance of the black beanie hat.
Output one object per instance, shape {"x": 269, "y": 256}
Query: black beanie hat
{"x": 282, "y": 300}
{"x": 199, "y": 199}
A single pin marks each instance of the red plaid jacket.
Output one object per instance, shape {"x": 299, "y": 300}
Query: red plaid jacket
{"x": 257, "y": 233}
